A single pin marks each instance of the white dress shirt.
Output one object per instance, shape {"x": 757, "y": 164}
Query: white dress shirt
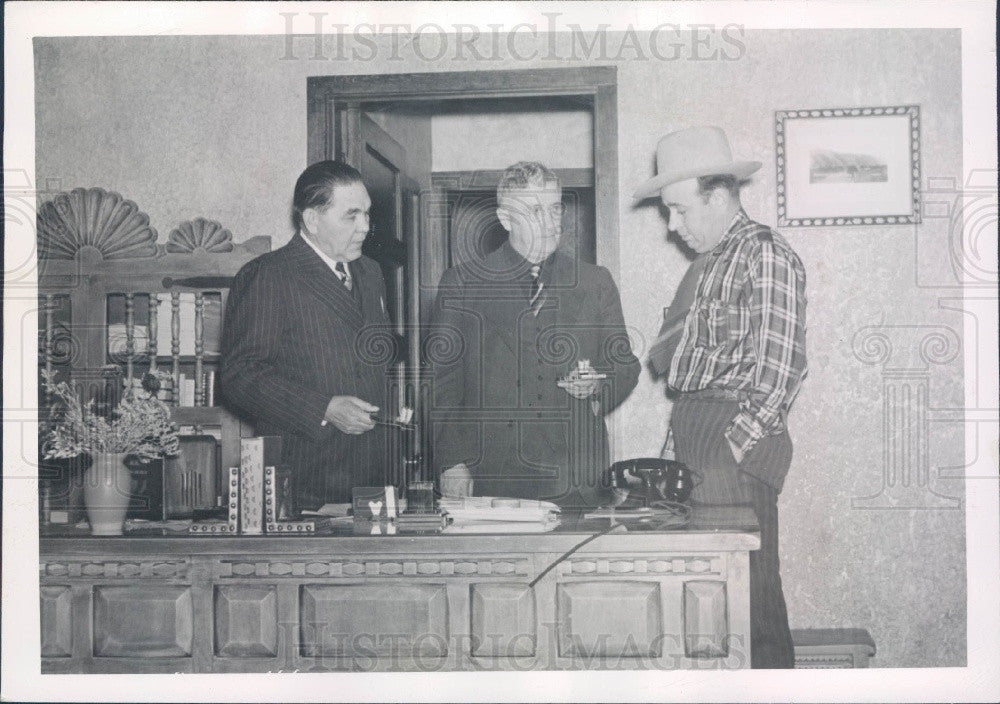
{"x": 332, "y": 263}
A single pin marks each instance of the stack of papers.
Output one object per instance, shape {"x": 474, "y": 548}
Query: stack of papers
{"x": 488, "y": 514}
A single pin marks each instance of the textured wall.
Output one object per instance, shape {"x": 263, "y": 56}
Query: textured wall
{"x": 465, "y": 142}
{"x": 216, "y": 127}
{"x": 900, "y": 573}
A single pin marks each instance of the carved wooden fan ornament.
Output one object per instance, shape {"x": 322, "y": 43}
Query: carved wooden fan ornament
{"x": 95, "y": 218}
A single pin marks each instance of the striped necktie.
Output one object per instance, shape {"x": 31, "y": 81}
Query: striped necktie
{"x": 535, "y": 302}
{"x": 344, "y": 275}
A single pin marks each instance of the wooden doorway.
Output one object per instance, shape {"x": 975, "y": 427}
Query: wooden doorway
{"x": 336, "y": 105}
{"x": 416, "y": 244}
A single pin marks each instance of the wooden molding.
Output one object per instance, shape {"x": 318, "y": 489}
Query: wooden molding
{"x": 656, "y": 565}
{"x": 376, "y": 567}
{"x": 469, "y": 84}
{"x": 489, "y": 179}
{"x": 115, "y": 569}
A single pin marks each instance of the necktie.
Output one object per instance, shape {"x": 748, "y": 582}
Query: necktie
{"x": 662, "y": 350}
{"x": 535, "y": 302}
{"x": 344, "y": 275}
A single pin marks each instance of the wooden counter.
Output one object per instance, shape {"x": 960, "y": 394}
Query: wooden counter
{"x": 630, "y": 599}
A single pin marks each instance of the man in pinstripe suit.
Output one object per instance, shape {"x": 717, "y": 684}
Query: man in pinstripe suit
{"x": 303, "y": 353}
{"x": 733, "y": 347}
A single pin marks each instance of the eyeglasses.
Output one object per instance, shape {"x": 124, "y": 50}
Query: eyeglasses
{"x": 538, "y": 211}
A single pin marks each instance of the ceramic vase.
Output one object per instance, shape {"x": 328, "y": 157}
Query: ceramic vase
{"x": 106, "y": 493}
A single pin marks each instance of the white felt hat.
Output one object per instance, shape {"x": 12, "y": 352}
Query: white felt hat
{"x": 690, "y": 153}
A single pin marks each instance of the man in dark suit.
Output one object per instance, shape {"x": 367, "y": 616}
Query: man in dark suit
{"x": 509, "y": 402}
{"x": 301, "y": 356}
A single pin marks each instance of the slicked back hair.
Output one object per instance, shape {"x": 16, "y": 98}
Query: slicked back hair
{"x": 526, "y": 174}
{"x": 314, "y": 187}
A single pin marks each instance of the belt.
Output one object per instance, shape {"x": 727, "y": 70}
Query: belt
{"x": 718, "y": 394}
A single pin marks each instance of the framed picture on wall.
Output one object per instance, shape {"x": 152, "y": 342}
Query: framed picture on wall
{"x": 848, "y": 166}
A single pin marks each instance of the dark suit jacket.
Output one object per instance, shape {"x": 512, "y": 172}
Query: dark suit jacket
{"x": 294, "y": 337}
{"x": 496, "y": 405}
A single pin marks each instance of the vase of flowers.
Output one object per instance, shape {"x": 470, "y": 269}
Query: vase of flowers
{"x": 139, "y": 425}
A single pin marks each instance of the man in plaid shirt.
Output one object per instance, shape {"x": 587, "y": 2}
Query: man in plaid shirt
{"x": 733, "y": 348}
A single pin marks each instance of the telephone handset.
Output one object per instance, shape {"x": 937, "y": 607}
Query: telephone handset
{"x": 639, "y": 482}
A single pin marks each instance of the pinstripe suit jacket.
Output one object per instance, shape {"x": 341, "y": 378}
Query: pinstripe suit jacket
{"x": 294, "y": 337}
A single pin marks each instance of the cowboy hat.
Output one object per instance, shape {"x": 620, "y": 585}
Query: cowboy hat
{"x": 693, "y": 152}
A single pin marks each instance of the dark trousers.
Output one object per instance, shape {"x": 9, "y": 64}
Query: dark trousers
{"x": 699, "y": 426}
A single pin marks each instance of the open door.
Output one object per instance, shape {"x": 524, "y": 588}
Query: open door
{"x": 392, "y": 243}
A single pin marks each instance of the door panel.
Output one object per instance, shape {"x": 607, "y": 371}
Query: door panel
{"x": 381, "y": 160}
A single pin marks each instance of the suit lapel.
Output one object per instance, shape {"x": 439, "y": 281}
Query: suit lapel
{"x": 561, "y": 290}
{"x": 317, "y": 277}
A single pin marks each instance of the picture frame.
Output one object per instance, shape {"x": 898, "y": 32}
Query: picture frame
{"x": 848, "y": 166}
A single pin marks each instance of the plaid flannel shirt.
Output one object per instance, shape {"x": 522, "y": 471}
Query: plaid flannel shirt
{"x": 746, "y": 331}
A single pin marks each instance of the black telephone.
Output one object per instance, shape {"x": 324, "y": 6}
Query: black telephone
{"x": 642, "y": 481}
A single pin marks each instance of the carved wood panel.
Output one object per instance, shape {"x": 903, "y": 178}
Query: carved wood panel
{"x": 613, "y": 565}
{"x": 246, "y": 621}
{"x": 56, "y": 622}
{"x": 374, "y": 567}
{"x": 155, "y": 568}
{"x": 150, "y": 621}
{"x": 502, "y": 620}
{"x": 706, "y": 628}
{"x": 362, "y": 620}
{"x": 609, "y": 619}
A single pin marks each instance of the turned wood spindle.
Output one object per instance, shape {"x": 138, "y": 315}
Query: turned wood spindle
{"x": 175, "y": 343}
{"x": 129, "y": 335}
{"x": 199, "y": 348}
{"x": 154, "y": 304}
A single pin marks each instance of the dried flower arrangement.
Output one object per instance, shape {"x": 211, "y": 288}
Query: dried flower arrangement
{"x": 140, "y": 425}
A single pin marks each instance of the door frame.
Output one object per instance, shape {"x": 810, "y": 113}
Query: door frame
{"x": 330, "y": 138}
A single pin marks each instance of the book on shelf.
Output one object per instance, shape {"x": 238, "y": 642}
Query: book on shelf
{"x": 209, "y": 387}
{"x": 186, "y": 391}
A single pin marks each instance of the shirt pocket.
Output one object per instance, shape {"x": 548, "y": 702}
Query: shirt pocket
{"x": 718, "y": 322}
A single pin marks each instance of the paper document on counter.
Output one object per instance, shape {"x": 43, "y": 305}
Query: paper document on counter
{"x": 505, "y": 513}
